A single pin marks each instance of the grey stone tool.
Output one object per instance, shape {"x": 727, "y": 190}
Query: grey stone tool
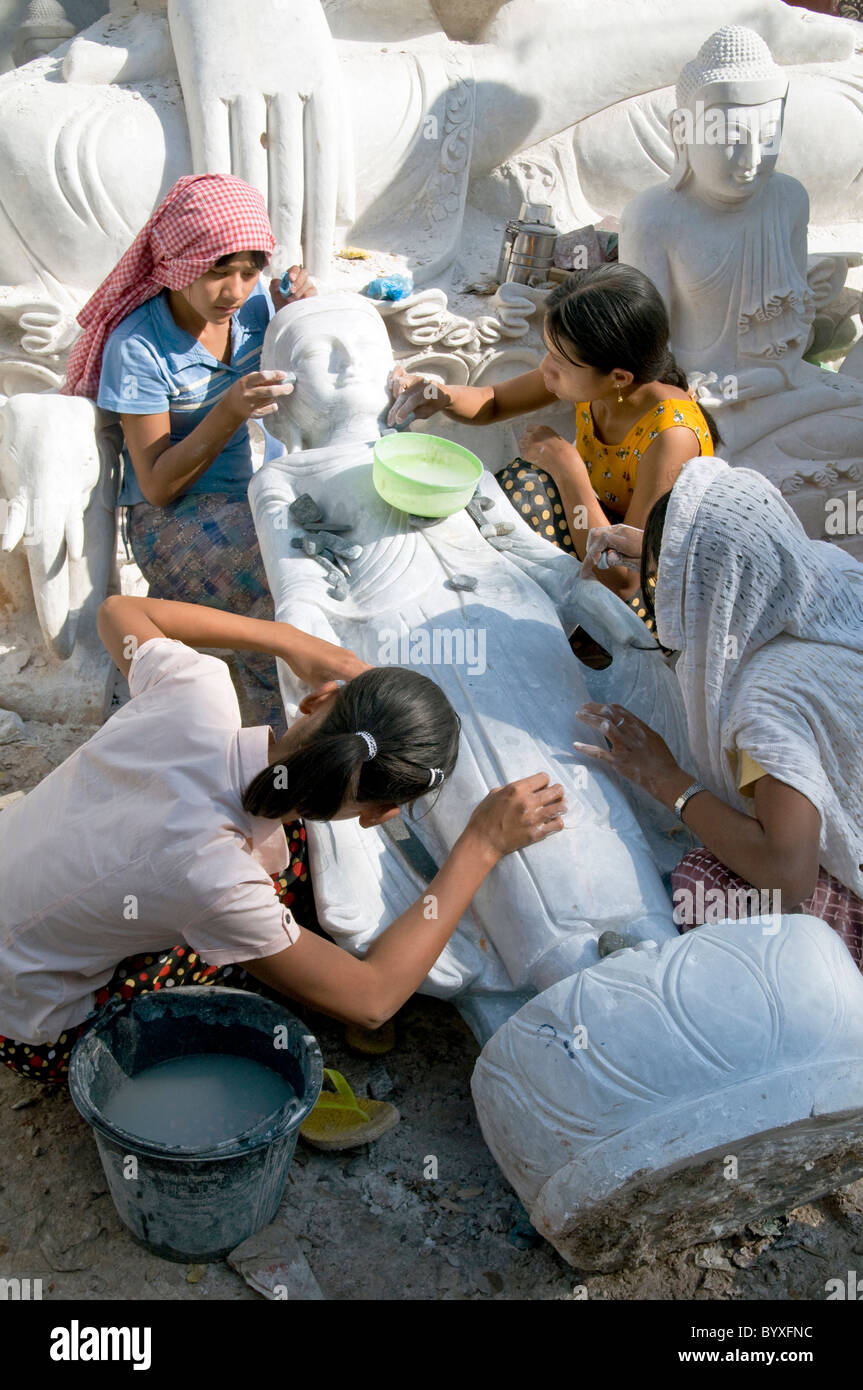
{"x": 339, "y": 526}
{"x": 337, "y": 544}
{"x": 611, "y": 941}
{"x": 333, "y": 572}
{"x": 304, "y": 509}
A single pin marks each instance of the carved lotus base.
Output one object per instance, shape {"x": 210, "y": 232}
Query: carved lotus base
{"x": 667, "y": 1096}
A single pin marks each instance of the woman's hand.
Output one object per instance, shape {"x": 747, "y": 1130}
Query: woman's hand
{"x": 517, "y": 815}
{"x": 302, "y": 287}
{"x": 257, "y": 394}
{"x": 313, "y": 660}
{"x": 417, "y": 397}
{"x": 612, "y": 545}
{"x": 636, "y": 751}
{"x": 545, "y": 448}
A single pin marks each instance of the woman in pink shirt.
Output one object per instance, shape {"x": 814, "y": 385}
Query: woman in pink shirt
{"x": 168, "y": 826}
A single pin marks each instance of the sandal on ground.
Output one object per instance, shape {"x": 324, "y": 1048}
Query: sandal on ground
{"x": 341, "y": 1121}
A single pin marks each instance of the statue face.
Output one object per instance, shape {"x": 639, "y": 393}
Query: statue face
{"x": 341, "y": 357}
{"x": 732, "y": 150}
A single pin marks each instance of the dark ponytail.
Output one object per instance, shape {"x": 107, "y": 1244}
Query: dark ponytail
{"x": 613, "y": 316}
{"x": 413, "y": 724}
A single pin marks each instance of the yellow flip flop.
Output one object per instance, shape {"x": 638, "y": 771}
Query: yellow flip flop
{"x": 340, "y": 1121}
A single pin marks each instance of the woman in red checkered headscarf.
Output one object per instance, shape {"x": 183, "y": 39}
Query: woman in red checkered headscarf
{"x": 201, "y": 220}
{"x": 171, "y": 342}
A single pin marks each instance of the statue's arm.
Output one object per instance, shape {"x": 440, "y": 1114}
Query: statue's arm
{"x": 559, "y": 61}
{"x": 642, "y": 241}
{"x": 799, "y": 210}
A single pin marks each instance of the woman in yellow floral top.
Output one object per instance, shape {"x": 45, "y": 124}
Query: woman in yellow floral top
{"x": 612, "y": 469}
{"x": 606, "y": 338}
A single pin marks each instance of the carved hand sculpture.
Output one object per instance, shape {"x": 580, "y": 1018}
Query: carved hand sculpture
{"x": 276, "y": 77}
{"x": 60, "y": 505}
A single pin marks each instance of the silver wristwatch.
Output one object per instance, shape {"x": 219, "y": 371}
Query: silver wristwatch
{"x": 685, "y": 796}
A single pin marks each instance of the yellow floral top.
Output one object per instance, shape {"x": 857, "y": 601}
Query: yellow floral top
{"x": 612, "y": 467}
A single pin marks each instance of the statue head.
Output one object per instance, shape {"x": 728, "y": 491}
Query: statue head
{"x": 338, "y": 348}
{"x": 727, "y": 124}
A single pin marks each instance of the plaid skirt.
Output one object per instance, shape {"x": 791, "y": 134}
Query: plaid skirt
{"x": 700, "y": 873}
{"x": 204, "y": 549}
{"x": 49, "y": 1062}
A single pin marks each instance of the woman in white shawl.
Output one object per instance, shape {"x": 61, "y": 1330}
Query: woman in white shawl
{"x": 768, "y": 625}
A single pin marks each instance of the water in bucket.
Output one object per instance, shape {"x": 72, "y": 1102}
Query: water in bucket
{"x": 197, "y": 1101}
{"x": 196, "y": 1141}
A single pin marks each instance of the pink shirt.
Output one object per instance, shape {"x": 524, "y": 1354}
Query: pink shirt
{"x": 139, "y": 842}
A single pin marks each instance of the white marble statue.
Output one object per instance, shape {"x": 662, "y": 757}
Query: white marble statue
{"x": 724, "y": 240}
{"x": 344, "y": 130}
{"x": 612, "y": 1097}
{"x": 369, "y": 122}
{"x": 499, "y": 651}
{"x": 62, "y": 520}
{"x": 614, "y": 1100}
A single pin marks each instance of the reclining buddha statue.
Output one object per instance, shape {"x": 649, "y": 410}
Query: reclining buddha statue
{"x": 489, "y": 625}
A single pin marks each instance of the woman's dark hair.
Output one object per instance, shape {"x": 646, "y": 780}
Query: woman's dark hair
{"x": 651, "y": 545}
{"x": 258, "y": 258}
{"x": 613, "y": 316}
{"x": 413, "y": 724}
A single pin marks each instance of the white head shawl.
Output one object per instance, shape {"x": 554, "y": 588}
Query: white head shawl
{"x": 769, "y": 625}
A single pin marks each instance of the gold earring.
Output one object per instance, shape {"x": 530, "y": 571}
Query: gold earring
{"x": 619, "y": 396}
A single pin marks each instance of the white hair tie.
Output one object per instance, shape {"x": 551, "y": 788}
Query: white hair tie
{"x": 370, "y": 744}
{"x": 435, "y": 774}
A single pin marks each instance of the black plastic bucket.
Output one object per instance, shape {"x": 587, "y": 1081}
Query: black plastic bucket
{"x": 184, "y": 1204}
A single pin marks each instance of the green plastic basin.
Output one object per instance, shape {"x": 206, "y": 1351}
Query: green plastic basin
{"x": 423, "y": 474}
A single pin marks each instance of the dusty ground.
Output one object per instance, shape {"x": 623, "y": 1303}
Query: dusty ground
{"x": 371, "y": 1225}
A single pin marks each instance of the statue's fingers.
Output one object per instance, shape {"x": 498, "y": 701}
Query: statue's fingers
{"x": 286, "y": 170}
{"x": 16, "y": 521}
{"x": 75, "y": 534}
{"x": 210, "y": 136}
{"x": 248, "y": 116}
{"x": 322, "y": 138}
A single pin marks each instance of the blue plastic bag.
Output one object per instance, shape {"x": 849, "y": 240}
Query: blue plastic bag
{"x": 390, "y": 287}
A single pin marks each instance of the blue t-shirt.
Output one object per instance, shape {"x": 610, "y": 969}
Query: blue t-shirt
{"x": 151, "y": 365}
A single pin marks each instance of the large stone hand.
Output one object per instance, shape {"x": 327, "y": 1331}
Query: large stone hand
{"x": 49, "y": 470}
{"x": 270, "y": 71}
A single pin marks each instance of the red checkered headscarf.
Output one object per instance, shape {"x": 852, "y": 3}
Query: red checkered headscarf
{"x": 201, "y": 219}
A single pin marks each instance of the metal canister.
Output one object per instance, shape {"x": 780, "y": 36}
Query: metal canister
{"x": 527, "y": 252}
